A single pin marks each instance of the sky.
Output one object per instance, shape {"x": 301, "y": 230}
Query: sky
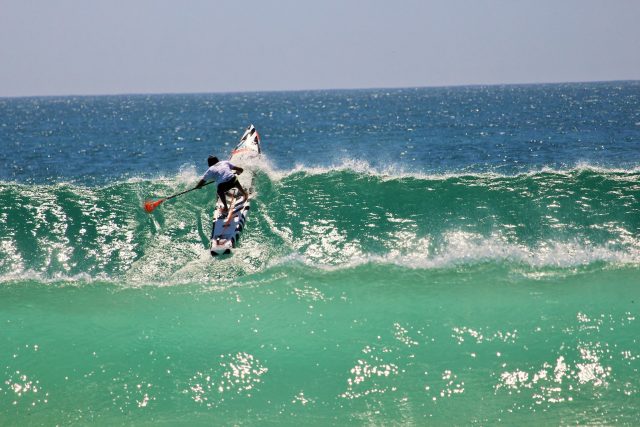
{"x": 79, "y": 47}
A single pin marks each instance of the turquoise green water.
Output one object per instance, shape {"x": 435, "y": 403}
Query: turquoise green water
{"x": 369, "y": 344}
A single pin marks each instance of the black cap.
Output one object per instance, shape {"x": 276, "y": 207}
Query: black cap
{"x": 212, "y": 160}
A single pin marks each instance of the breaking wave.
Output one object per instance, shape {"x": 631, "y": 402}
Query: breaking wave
{"x": 337, "y": 217}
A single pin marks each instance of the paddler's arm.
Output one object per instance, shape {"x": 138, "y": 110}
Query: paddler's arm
{"x": 238, "y": 169}
{"x": 201, "y": 183}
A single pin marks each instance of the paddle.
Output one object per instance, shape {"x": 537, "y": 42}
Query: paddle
{"x": 150, "y": 205}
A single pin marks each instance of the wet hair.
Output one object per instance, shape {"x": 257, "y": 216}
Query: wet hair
{"x": 212, "y": 160}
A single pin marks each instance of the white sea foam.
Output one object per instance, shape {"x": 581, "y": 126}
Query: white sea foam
{"x": 463, "y": 248}
{"x": 189, "y": 174}
{"x": 189, "y": 263}
{"x": 400, "y": 171}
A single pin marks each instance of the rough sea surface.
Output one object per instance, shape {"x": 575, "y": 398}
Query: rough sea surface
{"x": 431, "y": 256}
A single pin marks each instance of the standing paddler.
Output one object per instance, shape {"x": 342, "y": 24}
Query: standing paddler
{"x": 223, "y": 173}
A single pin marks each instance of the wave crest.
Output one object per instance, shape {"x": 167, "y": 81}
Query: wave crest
{"x": 400, "y": 171}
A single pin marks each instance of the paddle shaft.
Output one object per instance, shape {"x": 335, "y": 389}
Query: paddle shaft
{"x": 186, "y": 191}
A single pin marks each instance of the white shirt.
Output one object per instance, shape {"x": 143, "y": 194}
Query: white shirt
{"x": 221, "y": 172}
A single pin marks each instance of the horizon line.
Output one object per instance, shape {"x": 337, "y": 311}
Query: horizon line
{"x": 231, "y": 92}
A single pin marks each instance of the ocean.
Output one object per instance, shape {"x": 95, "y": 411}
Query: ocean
{"x": 419, "y": 256}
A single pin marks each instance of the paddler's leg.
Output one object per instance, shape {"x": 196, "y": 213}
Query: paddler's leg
{"x": 239, "y": 187}
{"x": 222, "y": 189}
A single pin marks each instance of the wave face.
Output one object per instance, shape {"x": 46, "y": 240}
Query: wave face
{"x": 329, "y": 218}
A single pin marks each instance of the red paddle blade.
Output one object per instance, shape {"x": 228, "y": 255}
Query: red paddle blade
{"x": 150, "y": 205}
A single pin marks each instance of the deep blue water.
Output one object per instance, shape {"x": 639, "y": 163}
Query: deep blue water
{"x": 505, "y": 129}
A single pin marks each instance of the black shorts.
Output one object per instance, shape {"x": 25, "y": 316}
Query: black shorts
{"x": 228, "y": 185}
